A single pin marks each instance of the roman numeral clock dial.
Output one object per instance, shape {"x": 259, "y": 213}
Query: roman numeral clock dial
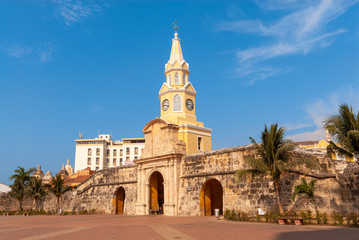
{"x": 189, "y": 104}
{"x": 165, "y": 105}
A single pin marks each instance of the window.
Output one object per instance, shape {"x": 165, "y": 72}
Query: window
{"x": 97, "y": 151}
{"x": 108, "y": 152}
{"x": 97, "y": 161}
{"x": 136, "y": 150}
{"x": 127, "y": 159}
{"x": 177, "y": 81}
{"x": 97, "y": 168}
{"x": 184, "y": 79}
{"x": 169, "y": 79}
{"x": 89, "y": 161}
{"x": 136, "y": 157}
{"x": 89, "y": 151}
{"x": 114, "y": 152}
{"x": 177, "y": 103}
{"x": 121, "y": 161}
{"x": 121, "y": 152}
{"x": 200, "y": 143}
{"x": 128, "y": 151}
{"x": 107, "y": 161}
{"x": 114, "y": 162}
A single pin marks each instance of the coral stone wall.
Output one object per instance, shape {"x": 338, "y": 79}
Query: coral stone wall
{"x": 337, "y": 185}
{"x": 337, "y": 188}
{"x": 99, "y": 191}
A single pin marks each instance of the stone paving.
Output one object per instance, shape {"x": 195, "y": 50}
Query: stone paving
{"x": 159, "y": 227}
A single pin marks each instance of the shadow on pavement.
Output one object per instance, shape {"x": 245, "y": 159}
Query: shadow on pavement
{"x": 327, "y": 234}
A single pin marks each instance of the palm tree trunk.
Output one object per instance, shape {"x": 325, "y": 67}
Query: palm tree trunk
{"x": 36, "y": 204}
{"x": 20, "y": 204}
{"x": 58, "y": 204}
{"x": 276, "y": 184}
{"x": 315, "y": 208}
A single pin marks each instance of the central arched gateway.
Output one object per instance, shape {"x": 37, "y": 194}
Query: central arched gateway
{"x": 120, "y": 200}
{"x": 211, "y": 197}
{"x": 156, "y": 192}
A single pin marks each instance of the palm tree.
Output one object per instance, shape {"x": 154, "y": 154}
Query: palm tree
{"x": 18, "y": 192}
{"x": 273, "y": 159}
{"x": 21, "y": 179}
{"x": 58, "y": 188}
{"x": 306, "y": 189}
{"x": 36, "y": 189}
{"x": 344, "y": 127}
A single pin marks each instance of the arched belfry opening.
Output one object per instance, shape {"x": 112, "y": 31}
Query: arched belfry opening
{"x": 211, "y": 197}
{"x": 120, "y": 200}
{"x": 156, "y": 193}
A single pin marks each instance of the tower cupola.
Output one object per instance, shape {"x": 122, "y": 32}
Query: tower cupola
{"x": 176, "y": 69}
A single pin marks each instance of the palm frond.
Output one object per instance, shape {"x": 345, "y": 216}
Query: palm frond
{"x": 241, "y": 174}
{"x": 257, "y": 164}
{"x": 307, "y": 162}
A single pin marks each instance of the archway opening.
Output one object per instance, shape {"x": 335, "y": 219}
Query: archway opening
{"x": 211, "y": 197}
{"x": 120, "y": 200}
{"x": 156, "y": 193}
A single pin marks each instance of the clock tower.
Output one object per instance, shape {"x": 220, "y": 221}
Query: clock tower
{"x": 178, "y": 102}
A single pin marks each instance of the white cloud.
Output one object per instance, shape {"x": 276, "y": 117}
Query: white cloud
{"x": 73, "y": 11}
{"x": 46, "y": 52}
{"x": 299, "y": 32}
{"x": 42, "y": 51}
{"x": 16, "y": 50}
{"x": 320, "y": 109}
{"x": 291, "y": 126}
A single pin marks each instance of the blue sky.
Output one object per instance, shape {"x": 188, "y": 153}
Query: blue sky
{"x": 87, "y": 66}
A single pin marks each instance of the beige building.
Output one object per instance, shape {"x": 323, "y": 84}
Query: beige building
{"x": 102, "y": 152}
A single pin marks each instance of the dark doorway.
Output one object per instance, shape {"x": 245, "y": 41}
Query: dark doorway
{"x": 211, "y": 197}
{"x": 120, "y": 200}
{"x": 156, "y": 193}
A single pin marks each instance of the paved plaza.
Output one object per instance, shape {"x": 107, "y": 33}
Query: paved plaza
{"x": 159, "y": 227}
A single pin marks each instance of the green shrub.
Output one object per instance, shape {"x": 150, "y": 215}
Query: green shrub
{"x": 267, "y": 217}
{"x": 258, "y": 217}
{"x": 325, "y": 218}
{"x": 303, "y": 215}
{"x": 352, "y": 218}
{"x": 227, "y": 213}
{"x": 232, "y": 215}
{"x": 337, "y": 218}
{"x": 319, "y": 218}
{"x": 245, "y": 216}
{"x": 309, "y": 216}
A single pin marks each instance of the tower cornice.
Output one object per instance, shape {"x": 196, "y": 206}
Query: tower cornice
{"x": 176, "y": 69}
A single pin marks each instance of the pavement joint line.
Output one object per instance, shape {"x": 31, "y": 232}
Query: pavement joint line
{"x": 55, "y": 234}
{"x": 170, "y": 233}
{"x": 13, "y": 229}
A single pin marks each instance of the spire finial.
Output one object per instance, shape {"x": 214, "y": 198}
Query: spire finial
{"x": 175, "y": 26}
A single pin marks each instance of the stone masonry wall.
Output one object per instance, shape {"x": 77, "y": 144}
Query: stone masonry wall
{"x": 98, "y": 192}
{"x": 339, "y": 193}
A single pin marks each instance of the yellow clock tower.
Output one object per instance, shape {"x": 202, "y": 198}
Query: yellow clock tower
{"x": 178, "y": 102}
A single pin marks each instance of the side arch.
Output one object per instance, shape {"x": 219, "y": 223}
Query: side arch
{"x": 120, "y": 200}
{"x": 157, "y": 194}
{"x": 211, "y": 197}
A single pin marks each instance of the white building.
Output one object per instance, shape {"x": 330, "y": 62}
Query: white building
{"x": 103, "y": 152}
{"x": 4, "y": 188}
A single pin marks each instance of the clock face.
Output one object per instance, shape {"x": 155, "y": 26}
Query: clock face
{"x": 189, "y": 104}
{"x": 165, "y": 105}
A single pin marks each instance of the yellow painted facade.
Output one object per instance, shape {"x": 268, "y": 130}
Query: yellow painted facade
{"x": 322, "y": 146}
{"x": 178, "y": 102}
